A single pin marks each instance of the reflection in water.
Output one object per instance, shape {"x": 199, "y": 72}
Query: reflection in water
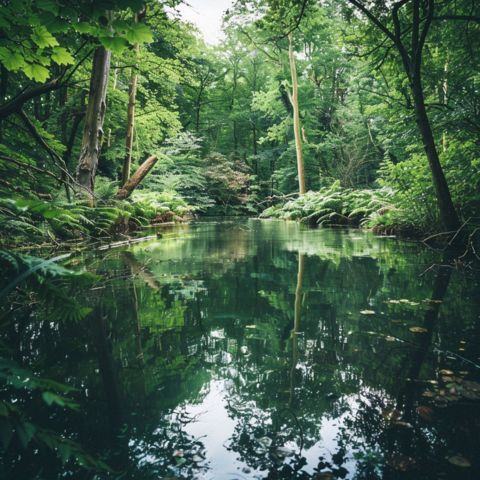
{"x": 266, "y": 350}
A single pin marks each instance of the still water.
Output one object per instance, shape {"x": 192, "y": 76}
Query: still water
{"x": 263, "y": 349}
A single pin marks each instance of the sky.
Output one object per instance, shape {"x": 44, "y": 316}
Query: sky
{"x": 207, "y": 16}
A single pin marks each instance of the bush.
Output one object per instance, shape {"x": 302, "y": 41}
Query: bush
{"x": 334, "y": 205}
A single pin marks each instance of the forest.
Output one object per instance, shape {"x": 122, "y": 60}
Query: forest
{"x": 327, "y": 112}
{"x": 180, "y": 217}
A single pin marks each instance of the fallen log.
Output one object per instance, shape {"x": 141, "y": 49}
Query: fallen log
{"x": 132, "y": 183}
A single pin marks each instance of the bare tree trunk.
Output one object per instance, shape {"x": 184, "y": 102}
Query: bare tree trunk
{"x": 296, "y": 116}
{"x": 133, "y": 182}
{"x": 94, "y": 117}
{"x": 127, "y": 162}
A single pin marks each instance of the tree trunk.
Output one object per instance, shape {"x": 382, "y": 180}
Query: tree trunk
{"x": 127, "y": 162}
{"x": 296, "y": 324}
{"x": 448, "y": 213}
{"x": 4, "y": 76}
{"x": 296, "y": 117}
{"x": 94, "y": 117}
{"x": 133, "y": 182}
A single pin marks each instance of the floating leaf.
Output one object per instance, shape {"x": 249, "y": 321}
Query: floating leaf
{"x": 418, "y": 330}
{"x": 425, "y": 413}
{"x": 428, "y": 394}
{"x": 400, "y": 423}
{"x": 459, "y": 461}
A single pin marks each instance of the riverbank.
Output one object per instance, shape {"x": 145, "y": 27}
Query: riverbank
{"x": 30, "y": 222}
{"x": 379, "y": 210}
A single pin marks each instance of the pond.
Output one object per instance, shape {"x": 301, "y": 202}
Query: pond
{"x": 264, "y": 349}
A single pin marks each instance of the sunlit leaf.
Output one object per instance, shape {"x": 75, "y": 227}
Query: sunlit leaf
{"x": 11, "y": 60}
{"x": 43, "y": 38}
{"x": 62, "y": 56}
{"x": 115, "y": 44}
{"x": 36, "y": 72}
{"x": 139, "y": 33}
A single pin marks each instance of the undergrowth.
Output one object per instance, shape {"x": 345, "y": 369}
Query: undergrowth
{"x": 336, "y": 205}
{"x": 33, "y": 221}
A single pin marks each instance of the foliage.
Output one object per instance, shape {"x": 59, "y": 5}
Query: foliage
{"x": 34, "y": 221}
{"x": 333, "y": 205}
{"x": 31, "y": 280}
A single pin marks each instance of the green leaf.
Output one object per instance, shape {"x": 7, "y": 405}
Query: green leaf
{"x": 11, "y": 60}
{"x": 84, "y": 27}
{"x": 43, "y": 38}
{"x": 52, "y": 22}
{"x": 120, "y": 25}
{"x": 25, "y": 432}
{"x": 64, "y": 452}
{"x": 36, "y": 72}
{"x": 115, "y": 44}
{"x": 51, "y": 398}
{"x": 45, "y": 61}
{"x": 62, "y": 56}
{"x": 48, "y": 6}
{"x": 139, "y": 33}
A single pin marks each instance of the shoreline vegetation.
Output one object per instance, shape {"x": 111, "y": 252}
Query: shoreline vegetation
{"x": 117, "y": 116}
{"x": 128, "y": 118}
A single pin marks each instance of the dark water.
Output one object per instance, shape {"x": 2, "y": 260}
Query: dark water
{"x": 265, "y": 350}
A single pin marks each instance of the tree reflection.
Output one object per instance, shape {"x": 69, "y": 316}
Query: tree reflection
{"x": 308, "y": 384}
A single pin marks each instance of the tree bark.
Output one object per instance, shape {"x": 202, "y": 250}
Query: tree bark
{"x": 132, "y": 183}
{"x": 94, "y": 117}
{"x": 447, "y": 210}
{"x": 132, "y": 96}
{"x": 296, "y": 117}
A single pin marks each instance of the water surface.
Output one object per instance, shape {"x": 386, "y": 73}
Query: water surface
{"x": 263, "y": 349}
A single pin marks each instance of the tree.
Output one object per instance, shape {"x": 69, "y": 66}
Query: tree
{"x": 94, "y": 117}
{"x": 132, "y": 95}
{"x": 415, "y": 24}
{"x": 296, "y": 116}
